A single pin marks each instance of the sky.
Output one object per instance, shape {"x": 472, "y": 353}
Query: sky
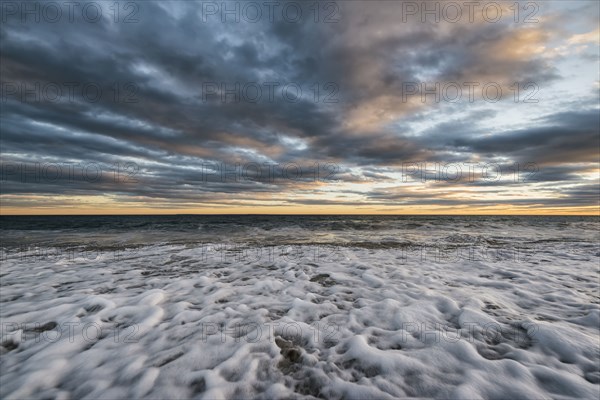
{"x": 370, "y": 107}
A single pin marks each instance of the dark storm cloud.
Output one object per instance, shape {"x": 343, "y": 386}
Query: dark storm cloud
{"x": 153, "y": 112}
{"x": 564, "y": 137}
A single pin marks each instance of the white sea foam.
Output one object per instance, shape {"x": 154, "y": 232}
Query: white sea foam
{"x": 334, "y": 307}
{"x": 173, "y": 321}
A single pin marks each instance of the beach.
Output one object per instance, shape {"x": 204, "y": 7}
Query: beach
{"x": 300, "y": 307}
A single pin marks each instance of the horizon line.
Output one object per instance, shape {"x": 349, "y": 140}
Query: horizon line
{"x": 301, "y": 214}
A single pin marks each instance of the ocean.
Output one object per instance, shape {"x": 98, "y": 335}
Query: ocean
{"x": 287, "y": 306}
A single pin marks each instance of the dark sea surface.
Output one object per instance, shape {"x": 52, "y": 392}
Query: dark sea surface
{"x": 346, "y": 230}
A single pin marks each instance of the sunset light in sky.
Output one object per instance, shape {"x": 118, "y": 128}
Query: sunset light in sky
{"x": 348, "y": 107}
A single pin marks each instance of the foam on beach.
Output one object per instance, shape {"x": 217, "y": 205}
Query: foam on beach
{"x": 303, "y": 321}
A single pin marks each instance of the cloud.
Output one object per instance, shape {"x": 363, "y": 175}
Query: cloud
{"x": 354, "y": 110}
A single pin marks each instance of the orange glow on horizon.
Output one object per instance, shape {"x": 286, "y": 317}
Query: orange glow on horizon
{"x": 308, "y": 210}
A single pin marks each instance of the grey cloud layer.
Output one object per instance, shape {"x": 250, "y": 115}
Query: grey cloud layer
{"x": 171, "y": 132}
